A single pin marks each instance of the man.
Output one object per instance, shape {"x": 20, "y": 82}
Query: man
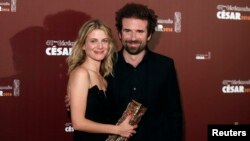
{"x": 146, "y": 77}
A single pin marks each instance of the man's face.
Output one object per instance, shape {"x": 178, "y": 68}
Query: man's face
{"x": 134, "y": 35}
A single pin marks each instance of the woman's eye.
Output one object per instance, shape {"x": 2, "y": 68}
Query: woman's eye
{"x": 105, "y": 41}
{"x": 93, "y": 41}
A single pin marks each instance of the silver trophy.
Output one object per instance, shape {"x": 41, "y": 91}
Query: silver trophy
{"x": 13, "y": 6}
{"x": 16, "y": 87}
{"x": 177, "y": 22}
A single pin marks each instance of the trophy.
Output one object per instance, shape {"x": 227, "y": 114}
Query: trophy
{"x": 136, "y": 110}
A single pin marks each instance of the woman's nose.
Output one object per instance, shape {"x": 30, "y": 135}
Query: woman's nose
{"x": 100, "y": 45}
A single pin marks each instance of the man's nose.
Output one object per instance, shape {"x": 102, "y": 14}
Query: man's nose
{"x": 133, "y": 35}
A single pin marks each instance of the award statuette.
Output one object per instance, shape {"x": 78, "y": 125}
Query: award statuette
{"x": 136, "y": 110}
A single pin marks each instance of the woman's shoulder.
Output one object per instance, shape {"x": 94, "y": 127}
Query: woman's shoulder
{"x": 79, "y": 72}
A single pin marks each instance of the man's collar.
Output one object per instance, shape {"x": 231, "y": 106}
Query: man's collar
{"x": 145, "y": 58}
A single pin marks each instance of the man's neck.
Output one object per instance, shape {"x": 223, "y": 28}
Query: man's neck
{"x": 132, "y": 59}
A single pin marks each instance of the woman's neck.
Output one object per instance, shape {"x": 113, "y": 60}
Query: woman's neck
{"x": 93, "y": 66}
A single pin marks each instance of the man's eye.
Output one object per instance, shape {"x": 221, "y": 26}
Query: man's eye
{"x": 141, "y": 31}
{"x": 126, "y": 30}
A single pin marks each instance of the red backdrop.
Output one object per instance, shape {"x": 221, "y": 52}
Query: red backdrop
{"x": 209, "y": 41}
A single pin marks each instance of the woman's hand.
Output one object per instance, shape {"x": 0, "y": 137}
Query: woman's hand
{"x": 125, "y": 129}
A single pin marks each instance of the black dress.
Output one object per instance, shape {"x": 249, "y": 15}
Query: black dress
{"x": 97, "y": 110}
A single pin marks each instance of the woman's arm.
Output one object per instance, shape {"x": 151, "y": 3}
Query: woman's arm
{"x": 78, "y": 89}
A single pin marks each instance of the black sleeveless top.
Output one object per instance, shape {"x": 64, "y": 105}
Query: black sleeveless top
{"x": 97, "y": 110}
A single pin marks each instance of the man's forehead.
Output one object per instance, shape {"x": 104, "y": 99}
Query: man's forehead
{"x": 134, "y": 23}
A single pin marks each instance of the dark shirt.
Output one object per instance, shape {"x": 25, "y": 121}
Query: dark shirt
{"x": 154, "y": 84}
{"x": 97, "y": 109}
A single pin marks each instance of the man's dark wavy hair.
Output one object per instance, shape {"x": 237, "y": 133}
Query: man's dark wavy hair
{"x": 139, "y": 11}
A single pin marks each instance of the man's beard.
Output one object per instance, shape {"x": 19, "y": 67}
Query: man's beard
{"x": 134, "y": 50}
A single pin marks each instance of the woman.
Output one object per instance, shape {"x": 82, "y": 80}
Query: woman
{"x": 90, "y": 61}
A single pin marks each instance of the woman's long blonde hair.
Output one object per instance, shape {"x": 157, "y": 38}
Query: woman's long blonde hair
{"x": 78, "y": 55}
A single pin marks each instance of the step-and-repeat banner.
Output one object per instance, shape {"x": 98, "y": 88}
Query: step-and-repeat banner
{"x": 209, "y": 41}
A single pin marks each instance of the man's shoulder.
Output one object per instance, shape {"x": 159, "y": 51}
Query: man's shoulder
{"x": 154, "y": 56}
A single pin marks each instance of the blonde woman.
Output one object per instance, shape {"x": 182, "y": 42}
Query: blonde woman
{"x": 90, "y": 61}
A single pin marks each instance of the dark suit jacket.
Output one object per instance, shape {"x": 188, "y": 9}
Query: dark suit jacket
{"x": 161, "y": 95}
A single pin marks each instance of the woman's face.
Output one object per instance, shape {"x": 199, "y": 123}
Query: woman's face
{"x": 96, "y": 45}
